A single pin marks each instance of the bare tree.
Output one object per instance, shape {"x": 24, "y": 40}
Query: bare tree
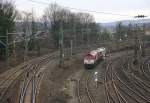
{"x": 7, "y": 21}
{"x": 76, "y": 26}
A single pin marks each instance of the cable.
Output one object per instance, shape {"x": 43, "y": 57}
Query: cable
{"x": 39, "y": 2}
{"x": 99, "y": 12}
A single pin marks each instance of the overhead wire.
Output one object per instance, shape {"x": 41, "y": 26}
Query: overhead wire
{"x": 85, "y": 10}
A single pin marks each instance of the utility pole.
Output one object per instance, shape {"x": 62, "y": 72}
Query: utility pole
{"x": 135, "y": 45}
{"x": 71, "y": 44}
{"x": 143, "y": 42}
{"x": 137, "y": 41}
{"x": 61, "y": 43}
{"x": 143, "y": 33}
{"x": 33, "y": 29}
{"x": 87, "y": 35}
{"x": 14, "y": 50}
{"x": 75, "y": 35}
{"x": 26, "y": 47}
{"x": 28, "y": 32}
{"x": 7, "y": 48}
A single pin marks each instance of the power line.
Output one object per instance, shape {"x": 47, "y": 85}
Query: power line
{"x": 39, "y": 2}
{"x": 99, "y": 12}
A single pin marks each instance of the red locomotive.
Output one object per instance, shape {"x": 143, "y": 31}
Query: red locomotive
{"x": 93, "y": 57}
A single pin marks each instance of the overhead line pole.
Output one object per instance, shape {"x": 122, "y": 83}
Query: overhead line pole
{"x": 7, "y": 48}
{"x": 26, "y": 47}
{"x": 137, "y": 42}
{"x": 135, "y": 45}
{"x": 61, "y": 43}
{"x": 71, "y": 46}
{"x": 143, "y": 42}
{"x": 143, "y": 33}
{"x": 14, "y": 50}
{"x": 26, "y": 37}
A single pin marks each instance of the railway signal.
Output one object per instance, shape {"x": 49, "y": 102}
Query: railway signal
{"x": 140, "y": 16}
{"x": 96, "y": 78}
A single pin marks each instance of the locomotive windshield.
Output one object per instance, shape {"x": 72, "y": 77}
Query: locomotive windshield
{"x": 89, "y": 56}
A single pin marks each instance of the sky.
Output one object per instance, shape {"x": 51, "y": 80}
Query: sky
{"x": 114, "y": 10}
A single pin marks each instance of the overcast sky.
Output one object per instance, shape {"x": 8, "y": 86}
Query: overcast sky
{"x": 126, "y": 8}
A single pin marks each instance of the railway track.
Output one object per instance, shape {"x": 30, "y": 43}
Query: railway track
{"x": 141, "y": 83}
{"x": 131, "y": 91}
{"x": 125, "y": 87}
{"x": 29, "y": 89}
{"x": 30, "y": 72}
{"x": 10, "y": 78}
{"x": 83, "y": 91}
{"x": 113, "y": 94}
{"x": 25, "y": 71}
{"x": 145, "y": 70}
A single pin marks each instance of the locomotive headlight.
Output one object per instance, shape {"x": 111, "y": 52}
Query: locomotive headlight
{"x": 96, "y": 79}
{"x": 96, "y": 76}
{"x": 96, "y": 73}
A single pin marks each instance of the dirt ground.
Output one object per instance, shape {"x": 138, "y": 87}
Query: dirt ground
{"x": 55, "y": 87}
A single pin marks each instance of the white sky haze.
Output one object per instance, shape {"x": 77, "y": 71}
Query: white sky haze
{"x": 124, "y": 7}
